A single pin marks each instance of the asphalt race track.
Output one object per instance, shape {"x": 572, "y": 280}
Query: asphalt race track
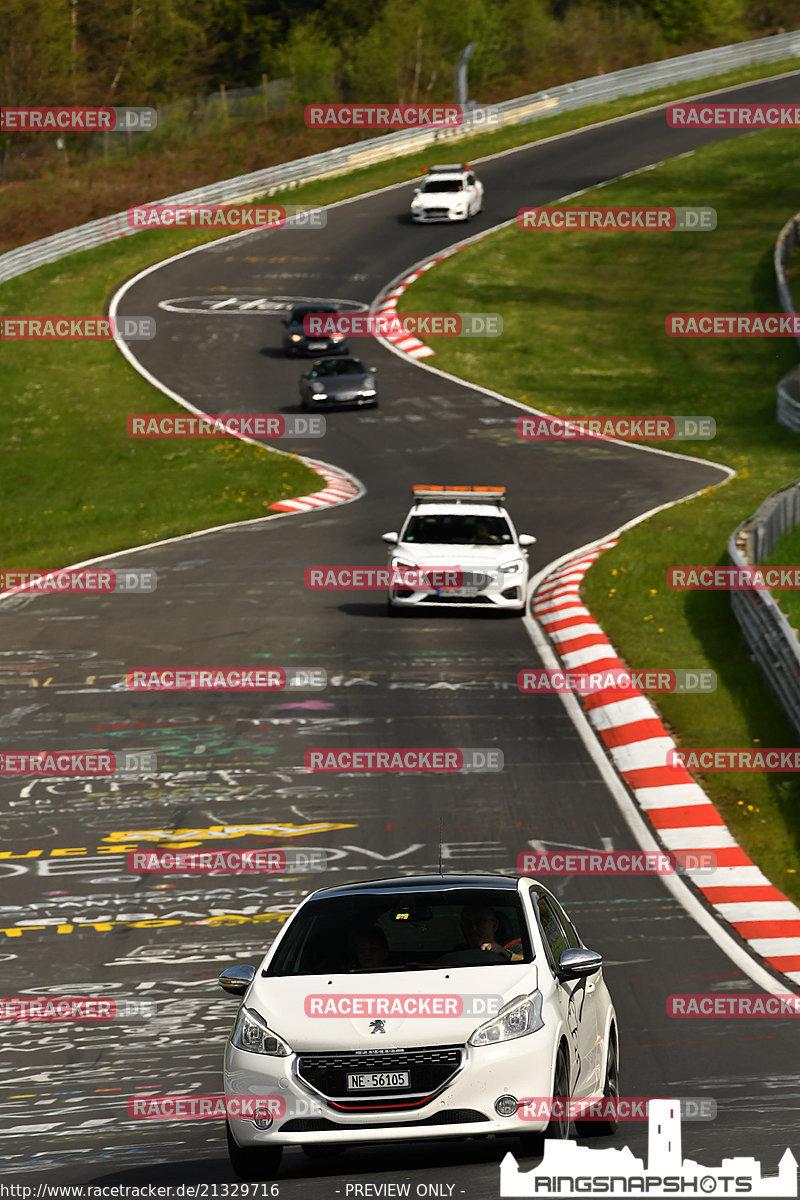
{"x": 236, "y": 598}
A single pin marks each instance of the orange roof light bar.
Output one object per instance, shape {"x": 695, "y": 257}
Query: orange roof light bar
{"x": 440, "y": 491}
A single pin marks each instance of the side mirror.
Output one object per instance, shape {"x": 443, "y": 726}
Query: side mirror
{"x": 306, "y": 375}
{"x": 526, "y": 539}
{"x": 372, "y": 370}
{"x": 237, "y": 979}
{"x": 391, "y": 539}
{"x": 578, "y": 964}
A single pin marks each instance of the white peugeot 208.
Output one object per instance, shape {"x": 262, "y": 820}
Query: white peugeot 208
{"x": 416, "y": 1007}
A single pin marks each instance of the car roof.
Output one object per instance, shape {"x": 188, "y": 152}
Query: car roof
{"x": 415, "y": 883}
{"x": 453, "y": 507}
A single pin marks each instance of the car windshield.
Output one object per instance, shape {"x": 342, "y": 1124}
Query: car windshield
{"x": 375, "y": 931}
{"x": 339, "y": 366}
{"x": 443, "y": 185}
{"x": 299, "y": 314}
{"x": 457, "y": 529}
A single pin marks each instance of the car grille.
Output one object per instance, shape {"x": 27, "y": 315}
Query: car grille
{"x": 479, "y": 599}
{"x": 453, "y": 1116}
{"x": 430, "y": 1070}
{"x": 436, "y": 212}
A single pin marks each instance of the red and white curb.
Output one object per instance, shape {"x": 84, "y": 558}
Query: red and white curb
{"x": 340, "y": 487}
{"x": 677, "y": 808}
{"x": 388, "y": 304}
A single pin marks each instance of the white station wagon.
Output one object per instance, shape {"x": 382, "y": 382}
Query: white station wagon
{"x": 416, "y": 1007}
{"x": 448, "y": 193}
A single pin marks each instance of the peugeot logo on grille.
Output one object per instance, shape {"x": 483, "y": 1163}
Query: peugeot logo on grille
{"x": 377, "y": 1027}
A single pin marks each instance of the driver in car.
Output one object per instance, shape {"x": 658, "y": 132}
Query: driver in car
{"x": 479, "y": 925}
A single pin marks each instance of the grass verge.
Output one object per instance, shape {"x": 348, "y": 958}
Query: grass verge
{"x": 594, "y": 305}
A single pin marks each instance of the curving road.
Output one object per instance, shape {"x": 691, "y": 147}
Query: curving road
{"x": 235, "y": 598}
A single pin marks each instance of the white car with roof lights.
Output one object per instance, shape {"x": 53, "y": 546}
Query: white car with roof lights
{"x": 469, "y": 531}
{"x": 448, "y": 193}
{"x": 427, "y": 1006}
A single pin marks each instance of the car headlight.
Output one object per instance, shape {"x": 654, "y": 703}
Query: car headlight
{"x": 417, "y": 202}
{"x": 368, "y": 391}
{"x": 252, "y": 1033}
{"x": 511, "y": 568}
{"x": 403, "y": 563}
{"x": 319, "y": 395}
{"x": 337, "y": 337}
{"x": 297, "y": 337}
{"x": 523, "y": 1015}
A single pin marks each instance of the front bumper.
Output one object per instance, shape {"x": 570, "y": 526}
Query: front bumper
{"x": 510, "y": 598}
{"x": 322, "y": 346}
{"x": 427, "y": 215}
{"x": 331, "y": 402}
{"x": 464, "y": 1107}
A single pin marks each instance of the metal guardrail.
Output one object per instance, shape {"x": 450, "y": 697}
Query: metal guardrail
{"x": 788, "y": 392}
{"x": 767, "y": 631}
{"x": 628, "y": 82}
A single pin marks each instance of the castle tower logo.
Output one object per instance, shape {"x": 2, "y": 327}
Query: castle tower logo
{"x": 568, "y": 1169}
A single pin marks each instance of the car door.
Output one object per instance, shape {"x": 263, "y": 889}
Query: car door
{"x": 576, "y": 996}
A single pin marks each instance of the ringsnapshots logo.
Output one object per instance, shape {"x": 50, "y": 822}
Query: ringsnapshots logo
{"x": 82, "y": 582}
{"x": 226, "y": 862}
{"x": 620, "y": 219}
{"x": 409, "y": 759}
{"x": 733, "y": 579}
{"x": 733, "y": 116}
{"x": 28, "y": 1009}
{"x": 735, "y": 758}
{"x": 395, "y": 324}
{"x": 399, "y": 116}
{"x": 267, "y": 425}
{"x": 119, "y": 765}
{"x": 546, "y": 680}
{"x": 377, "y": 579}
{"x": 232, "y": 679}
{"x": 757, "y": 1004}
{"x": 407, "y": 1004}
{"x": 77, "y": 329}
{"x": 617, "y": 862}
{"x": 29, "y": 119}
{"x": 227, "y": 216}
{"x": 619, "y": 428}
{"x": 743, "y": 325}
